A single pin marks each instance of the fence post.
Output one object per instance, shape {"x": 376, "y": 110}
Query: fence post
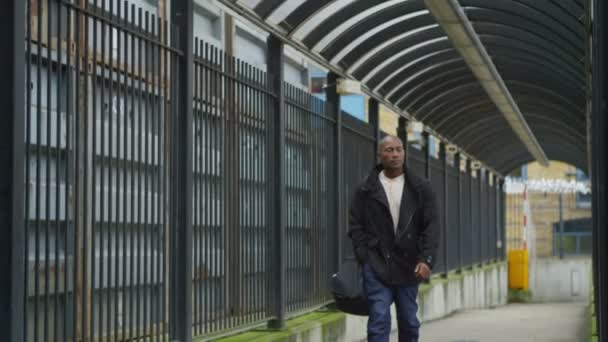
{"x": 471, "y": 223}
{"x": 181, "y": 267}
{"x": 12, "y": 152}
{"x": 503, "y": 218}
{"x": 402, "y": 134}
{"x": 333, "y": 105}
{"x": 459, "y": 205}
{"x": 480, "y": 178}
{"x": 374, "y": 121}
{"x": 444, "y": 223}
{"x": 276, "y": 75}
{"x": 598, "y": 165}
{"x": 427, "y": 158}
{"x": 498, "y": 241}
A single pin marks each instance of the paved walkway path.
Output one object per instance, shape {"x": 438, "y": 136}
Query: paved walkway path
{"x": 558, "y": 322}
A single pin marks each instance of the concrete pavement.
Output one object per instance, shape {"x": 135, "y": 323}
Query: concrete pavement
{"x": 556, "y": 322}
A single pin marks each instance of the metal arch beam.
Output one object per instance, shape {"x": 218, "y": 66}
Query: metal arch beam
{"x": 575, "y": 8}
{"x": 443, "y": 100}
{"x": 504, "y": 56}
{"x": 512, "y": 9}
{"x": 330, "y": 36}
{"x": 422, "y": 62}
{"x": 367, "y": 66}
{"x": 438, "y": 88}
{"x": 510, "y": 42}
{"x": 282, "y": 11}
{"x": 438, "y": 78}
{"x": 429, "y": 98}
{"x": 312, "y": 26}
{"x": 500, "y": 21}
{"x": 498, "y": 43}
{"x": 403, "y": 84}
{"x": 376, "y": 30}
{"x": 536, "y": 74}
{"x": 300, "y": 14}
{"x": 492, "y": 29}
{"x": 398, "y": 87}
{"x": 472, "y": 138}
{"x": 506, "y": 159}
{"x": 444, "y": 66}
{"x": 558, "y": 152}
{"x": 508, "y": 57}
{"x": 386, "y": 75}
{"x": 519, "y": 159}
{"x": 566, "y": 102}
{"x": 452, "y": 127}
{"x": 437, "y": 102}
{"x": 479, "y": 117}
{"x": 426, "y": 94}
{"x": 422, "y": 65}
{"x": 486, "y": 105}
{"x": 484, "y": 114}
{"x": 393, "y": 48}
{"x": 251, "y": 4}
{"x": 530, "y": 24}
{"x": 530, "y": 8}
{"x": 498, "y": 137}
{"x": 492, "y": 142}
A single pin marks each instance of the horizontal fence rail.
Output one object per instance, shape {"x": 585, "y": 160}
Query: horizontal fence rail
{"x": 102, "y": 96}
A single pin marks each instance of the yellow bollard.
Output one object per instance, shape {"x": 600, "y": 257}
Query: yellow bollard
{"x": 518, "y": 269}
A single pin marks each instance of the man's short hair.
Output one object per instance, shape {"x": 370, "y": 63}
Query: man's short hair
{"x": 387, "y": 139}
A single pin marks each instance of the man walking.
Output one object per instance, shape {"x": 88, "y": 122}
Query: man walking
{"x": 394, "y": 229}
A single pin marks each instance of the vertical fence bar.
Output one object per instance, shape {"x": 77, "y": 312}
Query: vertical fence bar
{"x": 598, "y": 165}
{"x": 402, "y": 134}
{"x": 47, "y": 159}
{"x": 471, "y": 211}
{"x": 12, "y": 152}
{"x": 481, "y": 214}
{"x": 503, "y": 217}
{"x": 459, "y": 244}
{"x": 374, "y": 121}
{"x": 37, "y": 176}
{"x": 120, "y": 159}
{"x": 58, "y": 161}
{"x": 489, "y": 215}
{"x": 427, "y": 154}
{"x": 445, "y": 199}
{"x": 334, "y": 106}
{"x": 497, "y": 212}
{"x": 275, "y": 76}
{"x": 132, "y": 162}
{"x": 181, "y": 289}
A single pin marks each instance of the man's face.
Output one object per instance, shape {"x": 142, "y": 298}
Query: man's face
{"x": 392, "y": 154}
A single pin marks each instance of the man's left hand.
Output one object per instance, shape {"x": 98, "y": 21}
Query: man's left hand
{"x": 423, "y": 271}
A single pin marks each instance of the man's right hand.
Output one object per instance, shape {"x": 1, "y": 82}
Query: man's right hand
{"x": 423, "y": 271}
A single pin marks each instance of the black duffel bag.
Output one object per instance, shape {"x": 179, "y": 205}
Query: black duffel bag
{"x": 347, "y": 289}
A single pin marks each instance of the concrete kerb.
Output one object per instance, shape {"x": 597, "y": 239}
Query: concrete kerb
{"x": 475, "y": 287}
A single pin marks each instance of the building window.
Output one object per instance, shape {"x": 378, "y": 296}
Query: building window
{"x": 208, "y": 24}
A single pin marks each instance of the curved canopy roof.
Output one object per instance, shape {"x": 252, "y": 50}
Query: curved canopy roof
{"x": 403, "y": 57}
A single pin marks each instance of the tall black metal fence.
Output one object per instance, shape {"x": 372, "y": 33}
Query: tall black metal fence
{"x": 103, "y": 94}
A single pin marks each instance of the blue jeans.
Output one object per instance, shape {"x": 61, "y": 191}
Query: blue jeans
{"x": 380, "y": 298}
